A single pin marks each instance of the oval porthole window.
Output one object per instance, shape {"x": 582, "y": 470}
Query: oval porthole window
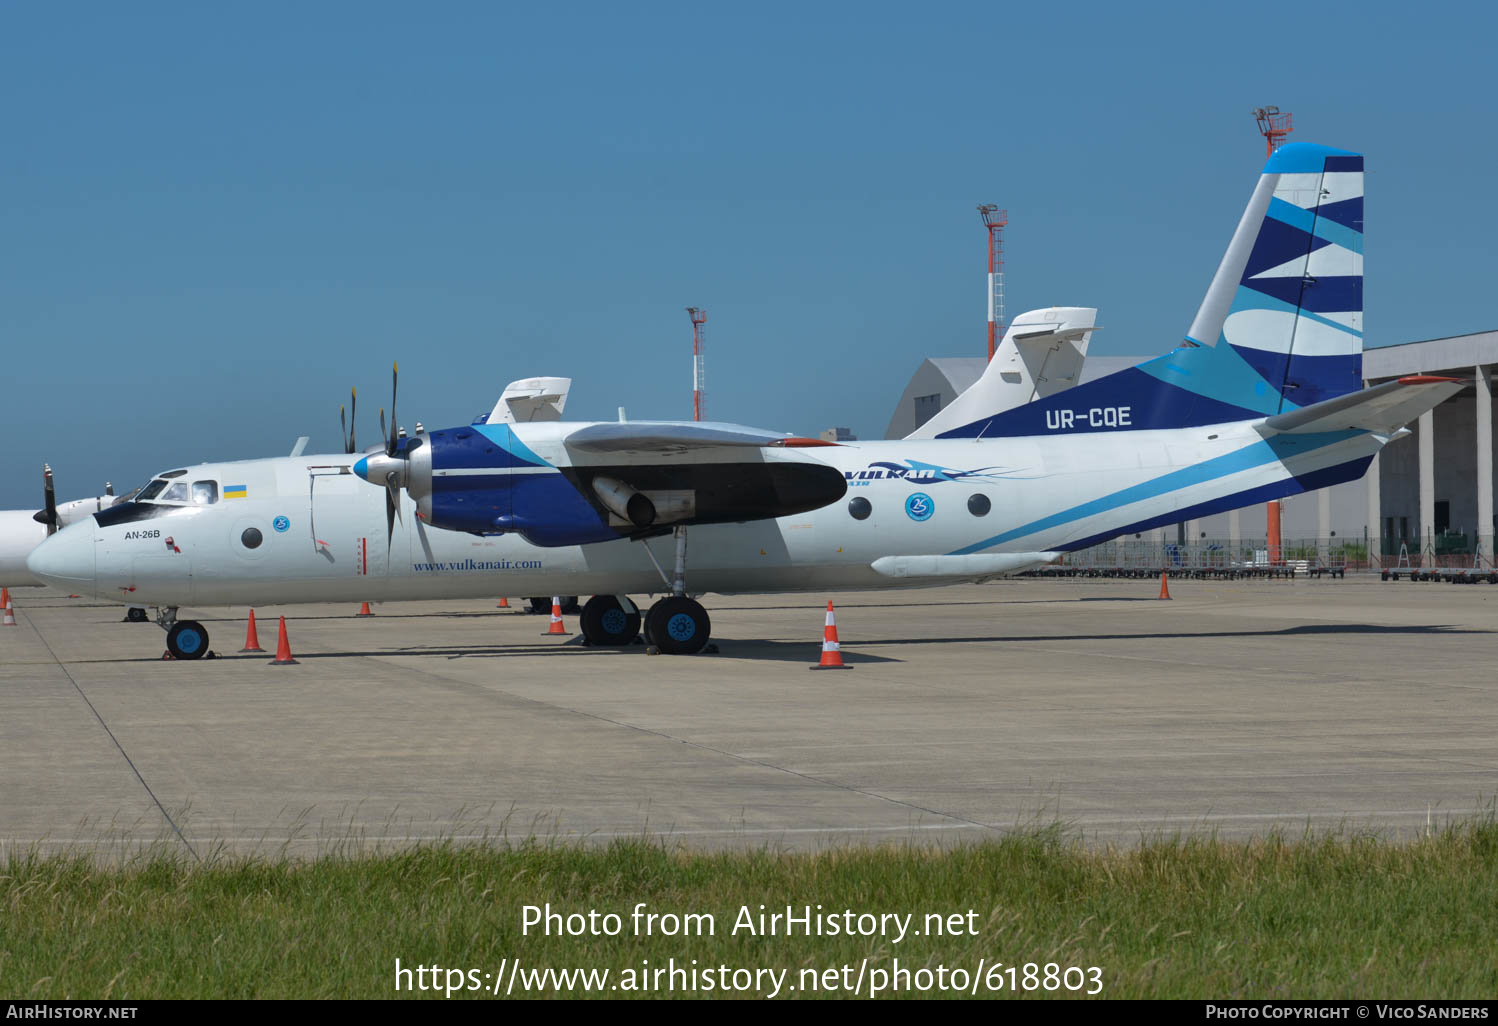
{"x": 860, "y": 508}
{"x": 251, "y": 538}
{"x": 978, "y": 504}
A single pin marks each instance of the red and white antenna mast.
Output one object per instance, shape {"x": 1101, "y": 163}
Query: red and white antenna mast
{"x": 995, "y": 220}
{"x": 699, "y": 365}
{"x": 1273, "y": 126}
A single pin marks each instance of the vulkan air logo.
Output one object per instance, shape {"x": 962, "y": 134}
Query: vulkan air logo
{"x": 916, "y": 472}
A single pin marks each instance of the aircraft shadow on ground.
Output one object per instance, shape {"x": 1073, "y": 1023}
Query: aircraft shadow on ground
{"x": 808, "y": 652}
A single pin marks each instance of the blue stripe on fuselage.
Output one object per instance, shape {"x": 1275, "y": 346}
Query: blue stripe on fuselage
{"x": 1279, "y": 447}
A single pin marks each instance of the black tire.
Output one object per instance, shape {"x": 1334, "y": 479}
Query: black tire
{"x": 678, "y": 626}
{"x": 540, "y": 606}
{"x": 605, "y": 623}
{"x": 569, "y": 606}
{"x": 187, "y": 640}
{"x": 135, "y": 614}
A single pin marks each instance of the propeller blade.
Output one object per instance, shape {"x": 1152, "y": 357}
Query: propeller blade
{"x": 353, "y": 417}
{"x": 382, "y": 423}
{"x": 343, "y": 428}
{"x": 50, "y": 512}
{"x": 394, "y": 381}
{"x": 392, "y": 511}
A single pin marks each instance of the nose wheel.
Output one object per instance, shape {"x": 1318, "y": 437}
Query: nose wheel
{"x": 187, "y": 639}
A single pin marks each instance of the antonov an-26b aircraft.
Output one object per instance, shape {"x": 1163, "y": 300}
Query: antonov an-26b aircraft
{"x": 1262, "y": 400}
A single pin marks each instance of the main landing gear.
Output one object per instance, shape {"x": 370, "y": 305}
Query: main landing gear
{"x": 185, "y": 639}
{"x": 677, "y": 625}
{"x": 610, "y": 621}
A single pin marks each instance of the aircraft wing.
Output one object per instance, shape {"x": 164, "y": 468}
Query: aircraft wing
{"x": 665, "y": 438}
{"x": 1382, "y": 409}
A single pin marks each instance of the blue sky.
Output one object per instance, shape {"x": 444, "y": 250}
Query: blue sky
{"x": 217, "y": 218}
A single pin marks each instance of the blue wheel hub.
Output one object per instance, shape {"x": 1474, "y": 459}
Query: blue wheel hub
{"x": 189, "y": 641}
{"x": 615, "y": 621}
{"x": 682, "y": 627}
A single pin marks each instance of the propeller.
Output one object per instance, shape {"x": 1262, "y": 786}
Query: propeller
{"x": 392, "y": 468}
{"x": 48, "y": 515}
{"x": 347, "y": 426}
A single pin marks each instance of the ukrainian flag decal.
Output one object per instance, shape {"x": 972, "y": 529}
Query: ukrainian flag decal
{"x": 235, "y": 492}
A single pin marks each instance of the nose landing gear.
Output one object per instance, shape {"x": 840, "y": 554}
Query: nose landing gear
{"x": 185, "y": 639}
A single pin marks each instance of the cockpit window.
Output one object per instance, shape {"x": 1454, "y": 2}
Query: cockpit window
{"x": 174, "y": 473}
{"x": 176, "y": 493}
{"x": 204, "y": 493}
{"x": 150, "y": 491}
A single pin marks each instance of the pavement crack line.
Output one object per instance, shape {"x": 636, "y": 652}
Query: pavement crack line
{"x": 708, "y": 748}
{"x": 124, "y": 754}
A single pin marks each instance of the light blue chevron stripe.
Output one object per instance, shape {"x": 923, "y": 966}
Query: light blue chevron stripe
{"x": 1256, "y": 455}
{"x": 1321, "y": 227}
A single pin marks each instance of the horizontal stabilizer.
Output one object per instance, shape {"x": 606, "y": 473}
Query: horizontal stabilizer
{"x": 660, "y": 437}
{"x": 978, "y": 565}
{"x": 1381, "y": 409}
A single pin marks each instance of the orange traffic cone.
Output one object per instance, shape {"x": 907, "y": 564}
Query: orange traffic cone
{"x": 556, "y": 618}
{"x": 10, "y": 616}
{"x": 364, "y": 610}
{"x": 4, "y": 598}
{"x": 251, "y": 637}
{"x": 1164, "y": 586}
{"x": 504, "y": 603}
{"x": 832, "y": 653}
{"x": 283, "y": 648}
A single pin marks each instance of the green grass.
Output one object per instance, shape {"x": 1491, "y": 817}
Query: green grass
{"x": 1316, "y": 917}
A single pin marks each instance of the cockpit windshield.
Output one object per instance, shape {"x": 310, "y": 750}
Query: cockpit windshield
{"x": 150, "y": 491}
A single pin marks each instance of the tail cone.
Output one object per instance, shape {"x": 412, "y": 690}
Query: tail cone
{"x": 283, "y": 648}
{"x": 832, "y": 654}
{"x": 251, "y": 637}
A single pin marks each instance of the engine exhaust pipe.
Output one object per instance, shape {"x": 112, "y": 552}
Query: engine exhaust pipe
{"x": 624, "y": 501}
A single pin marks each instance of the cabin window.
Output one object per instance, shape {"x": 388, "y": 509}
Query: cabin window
{"x": 204, "y": 493}
{"x": 251, "y": 538}
{"x": 860, "y": 508}
{"x": 176, "y": 493}
{"x": 978, "y": 504}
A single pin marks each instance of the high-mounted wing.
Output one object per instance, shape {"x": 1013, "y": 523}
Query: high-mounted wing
{"x": 675, "y": 437}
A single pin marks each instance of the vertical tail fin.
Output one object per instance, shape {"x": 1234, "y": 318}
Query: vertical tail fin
{"x": 1288, "y": 295}
{"x": 1281, "y": 325}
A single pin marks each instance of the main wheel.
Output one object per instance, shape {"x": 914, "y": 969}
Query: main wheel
{"x": 604, "y": 622}
{"x": 187, "y": 640}
{"x": 678, "y": 625}
{"x": 135, "y": 614}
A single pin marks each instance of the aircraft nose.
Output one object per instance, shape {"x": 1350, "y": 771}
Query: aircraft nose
{"x": 66, "y": 560}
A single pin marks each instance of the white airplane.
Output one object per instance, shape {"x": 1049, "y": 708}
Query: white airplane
{"x": 22, "y": 530}
{"x": 1262, "y": 400}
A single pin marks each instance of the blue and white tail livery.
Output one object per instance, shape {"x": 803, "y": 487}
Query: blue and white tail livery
{"x": 1281, "y": 326}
